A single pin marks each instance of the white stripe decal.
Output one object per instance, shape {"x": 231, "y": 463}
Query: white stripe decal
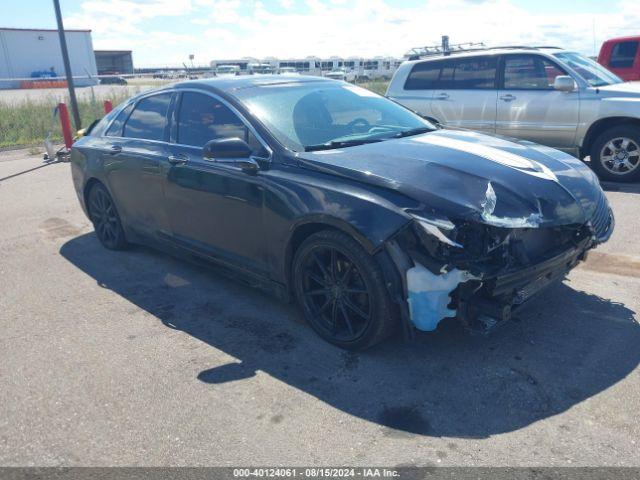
{"x": 490, "y": 153}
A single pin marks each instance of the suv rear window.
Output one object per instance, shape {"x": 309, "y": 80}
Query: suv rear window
{"x": 469, "y": 74}
{"x": 423, "y": 76}
{"x": 623, "y": 54}
{"x": 477, "y": 73}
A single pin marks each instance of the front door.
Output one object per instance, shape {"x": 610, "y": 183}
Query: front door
{"x": 214, "y": 208}
{"x": 530, "y": 108}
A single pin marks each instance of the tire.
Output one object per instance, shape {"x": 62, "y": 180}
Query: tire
{"x": 341, "y": 291}
{"x": 105, "y": 218}
{"x": 623, "y": 140}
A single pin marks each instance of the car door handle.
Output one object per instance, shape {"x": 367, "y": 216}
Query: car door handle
{"x": 442, "y": 96}
{"x": 507, "y": 98}
{"x": 179, "y": 159}
{"x": 115, "y": 149}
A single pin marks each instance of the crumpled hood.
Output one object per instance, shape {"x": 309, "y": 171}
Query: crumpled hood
{"x": 468, "y": 175}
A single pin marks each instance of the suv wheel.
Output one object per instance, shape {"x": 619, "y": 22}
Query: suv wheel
{"x": 615, "y": 155}
{"x": 342, "y": 291}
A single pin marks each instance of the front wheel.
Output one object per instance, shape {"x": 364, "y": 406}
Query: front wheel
{"x": 615, "y": 155}
{"x": 342, "y": 291}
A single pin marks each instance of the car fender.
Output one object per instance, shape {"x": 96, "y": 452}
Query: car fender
{"x": 298, "y": 203}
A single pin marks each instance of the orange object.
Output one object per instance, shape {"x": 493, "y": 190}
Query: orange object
{"x": 65, "y": 123}
{"x": 43, "y": 84}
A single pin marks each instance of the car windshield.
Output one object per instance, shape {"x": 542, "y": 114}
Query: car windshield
{"x": 317, "y": 116}
{"x": 593, "y": 73}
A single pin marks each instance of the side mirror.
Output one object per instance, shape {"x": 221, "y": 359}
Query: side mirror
{"x": 231, "y": 151}
{"x": 226, "y": 148}
{"x": 564, "y": 83}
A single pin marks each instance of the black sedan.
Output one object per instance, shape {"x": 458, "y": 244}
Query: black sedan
{"x": 369, "y": 216}
{"x": 113, "y": 80}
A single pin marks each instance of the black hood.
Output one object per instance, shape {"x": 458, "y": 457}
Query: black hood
{"x": 467, "y": 175}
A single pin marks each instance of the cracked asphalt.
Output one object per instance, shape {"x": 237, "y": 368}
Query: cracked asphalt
{"x": 139, "y": 359}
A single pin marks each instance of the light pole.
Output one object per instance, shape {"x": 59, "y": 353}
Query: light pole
{"x": 67, "y": 67}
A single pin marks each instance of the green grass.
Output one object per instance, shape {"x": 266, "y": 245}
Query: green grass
{"x": 29, "y": 122}
{"x": 378, "y": 86}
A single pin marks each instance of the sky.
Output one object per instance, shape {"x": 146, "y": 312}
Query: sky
{"x": 166, "y": 32}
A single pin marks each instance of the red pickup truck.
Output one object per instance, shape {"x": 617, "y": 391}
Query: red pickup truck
{"x": 622, "y": 57}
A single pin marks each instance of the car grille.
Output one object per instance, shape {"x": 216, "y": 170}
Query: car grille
{"x": 602, "y": 220}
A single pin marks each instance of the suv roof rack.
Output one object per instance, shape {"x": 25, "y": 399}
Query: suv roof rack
{"x": 446, "y": 49}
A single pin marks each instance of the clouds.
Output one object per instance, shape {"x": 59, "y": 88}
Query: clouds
{"x": 166, "y": 31}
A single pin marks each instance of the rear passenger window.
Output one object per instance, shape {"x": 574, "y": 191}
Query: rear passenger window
{"x": 149, "y": 118}
{"x": 202, "y": 118}
{"x": 477, "y": 73}
{"x": 423, "y": 76}
{"x": 115, "y": 130}
{"x": 623, "y": 55}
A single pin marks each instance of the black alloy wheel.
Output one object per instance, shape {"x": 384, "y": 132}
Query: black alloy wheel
{"x": 342, "y": 292}
{"x": 105, "y": 219}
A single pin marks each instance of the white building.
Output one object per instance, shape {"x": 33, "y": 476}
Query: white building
{"x": 25, "y": 52}
{"x": 362, "y": 68}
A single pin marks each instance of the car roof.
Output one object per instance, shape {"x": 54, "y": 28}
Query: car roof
{"x": 226, "y": 86}
{"x": 230, "y": 84}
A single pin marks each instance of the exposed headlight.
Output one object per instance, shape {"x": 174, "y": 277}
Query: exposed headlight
{"x": 440, "y": 228}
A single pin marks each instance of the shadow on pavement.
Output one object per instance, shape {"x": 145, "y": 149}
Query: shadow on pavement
{"x": 620, "y": 187}
{"x": 560, "y": 351}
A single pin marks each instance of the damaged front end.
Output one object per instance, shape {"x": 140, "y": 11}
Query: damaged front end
{"x": 480, "y": 271}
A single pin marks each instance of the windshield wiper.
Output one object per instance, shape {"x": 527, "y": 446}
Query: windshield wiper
{"x": 412, "y": 131}
{"x": 341, "y": 143}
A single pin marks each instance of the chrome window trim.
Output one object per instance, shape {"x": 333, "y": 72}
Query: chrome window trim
{"x": 173, "y": 91}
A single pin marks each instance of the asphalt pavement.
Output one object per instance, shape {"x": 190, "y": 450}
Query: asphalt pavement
{"x": 140, "y": 359}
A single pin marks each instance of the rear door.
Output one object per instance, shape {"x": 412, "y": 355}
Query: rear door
{"x": 214, "y": 208}
{"x": 530, "y": 108}
{"x": 417, "y": 91}
{"x": 134, "y": 160}
{"x": 466, "y": 93}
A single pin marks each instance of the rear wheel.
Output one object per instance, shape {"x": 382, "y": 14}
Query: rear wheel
{"x": 342, "y": 292}
{"x": 615, "y": 155}
{"x": 105, "y": 218}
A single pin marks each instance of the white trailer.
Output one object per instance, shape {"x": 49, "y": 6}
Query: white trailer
{"x": 305, "y": 66}
{"x": 25, "y": 52}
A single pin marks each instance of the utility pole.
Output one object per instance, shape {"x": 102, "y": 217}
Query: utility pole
{"x": 67, "y": 66}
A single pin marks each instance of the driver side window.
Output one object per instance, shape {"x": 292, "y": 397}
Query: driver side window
{"x": 529, "y": 72}
{"x": 202, "y": 118}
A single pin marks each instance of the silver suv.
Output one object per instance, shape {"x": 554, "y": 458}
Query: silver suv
{"x": 545, "y": 95}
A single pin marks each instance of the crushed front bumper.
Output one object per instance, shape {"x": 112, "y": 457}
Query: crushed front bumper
{"x": 478, "y": 301}
{"x": 494, "y": 300}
